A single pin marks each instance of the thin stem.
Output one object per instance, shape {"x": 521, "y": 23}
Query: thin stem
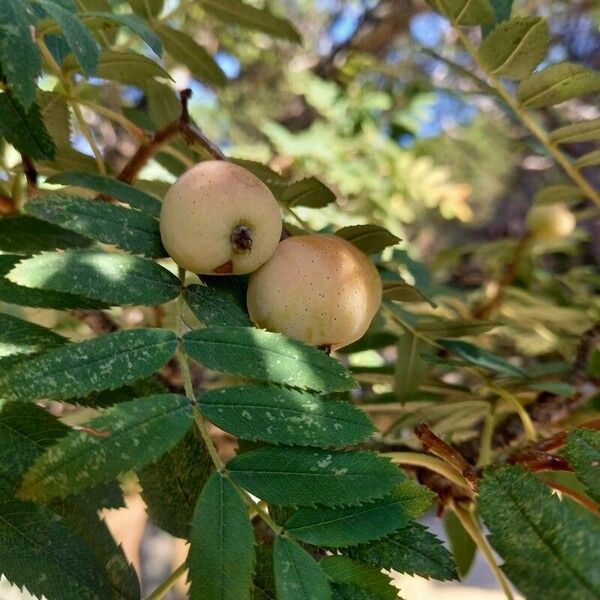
{"x": 472, "y": 528}
{"x": 429, "y": 462}
{"x": 298, "y": 219}
{"x": 529, "y": 121}
{"x": 87, "y": 134}
{"x": 199, "y": 420}
{"x": 486, "y": 309}
{"x": 188, "y": 385}
{"x": 161, "y": 591}
{"x": 528, "y": 427}
{"x": 485, "y": 444}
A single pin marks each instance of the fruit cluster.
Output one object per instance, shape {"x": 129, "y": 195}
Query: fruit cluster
{"x": 219, "y": 219}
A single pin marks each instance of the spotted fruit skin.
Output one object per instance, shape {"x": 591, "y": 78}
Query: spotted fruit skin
{"x": 550, "y": 221}
{"x": 202, "y": 210}
{"x": 319, "y": 289}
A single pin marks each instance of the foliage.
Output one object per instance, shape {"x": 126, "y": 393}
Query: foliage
{"x": 92, "y": 133}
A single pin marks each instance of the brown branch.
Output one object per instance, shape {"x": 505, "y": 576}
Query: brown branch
{"x": 434, "y": 444}
{"x": 486, "y": 309}
{"x": 183, "y": 126}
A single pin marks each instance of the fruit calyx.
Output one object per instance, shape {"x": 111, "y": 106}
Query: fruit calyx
{"x": 241, "y": 238}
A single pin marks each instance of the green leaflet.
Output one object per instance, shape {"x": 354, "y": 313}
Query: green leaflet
{"x": 297, "y": 574}
{"x": 550, "y": 550}
{"x": 186, "y": 50}
{"x": 250, "y": 17}
{"x": 22, "y": 337}
{"x": 557, "y": 193}
{"x": 465, "y": 12}
{"x": 125, "y": 228}
{"x": 342, "y": 527}
{"x": 216, "y": 306}
{"x": 401, "y": 291}
{"x": 264, "y": 578}
{"x": 285, "y": 416}
{"x": 24, "y": 296}
{"x": 455, "y": 329}
{"x": 125, "y": 67}
{"x": 26, "y": 235}
{"x": 583, "y": 453}
{"x": 370, "y": 239}
{"x": 584, "y": 131}
{"x": 514, "y": 48}
{"x": 56, "y": 116}
{"x": 80, "y": 40}
{"x": 307, "y": 192}
{"x": 590, "y": 159}
{"x": 25, "y": 129}
{"x": 100, "y": 20}
{"x": 270, "y": 178}
{"x": 347, "y": 572}
{"x": 101, "y": 363}
{"x": 266, "y": 356}
{"x": 26, "y": 430}
{"x": 104, "y": 276}
{"x": 170, "y": 485}
{"x": 411, "y": 550}
{"x": 19, "y": 56}
{"x": 132, "y": 196}
{"x": 415, "y": 498}
{"x": 481, "y": 358}
{"x": 461, "y": 543}
{"x": 557, "y": 83}
{"x": 39, "y": 552}
{"x": 114, "y": 443}
{"x": 222, "y": 544}
{"x": 82, "y": 518}
{"x": 308, "y": 476}
{"x": 502, "y": 11}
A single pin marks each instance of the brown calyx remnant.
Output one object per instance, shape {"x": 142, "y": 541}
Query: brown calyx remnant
{"x": 241, "y": 238}
{"x": 225, "y": 268}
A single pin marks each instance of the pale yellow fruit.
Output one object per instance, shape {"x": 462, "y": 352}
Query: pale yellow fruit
{"x": 550, "y": 221}
{"x": 319, "y": 289}
{"x": 218, "y": 218}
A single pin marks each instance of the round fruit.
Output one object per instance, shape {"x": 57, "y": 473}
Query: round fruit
{"x": 218, "y": 218}
{"x": 550, "y": 221}
{"x": 319, "y": 289}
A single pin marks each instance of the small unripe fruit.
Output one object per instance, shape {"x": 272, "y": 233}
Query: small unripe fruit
{"x": 319, "y": 289}
{"x": 550, "y": 221}
{"x": 218, "y": 218}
